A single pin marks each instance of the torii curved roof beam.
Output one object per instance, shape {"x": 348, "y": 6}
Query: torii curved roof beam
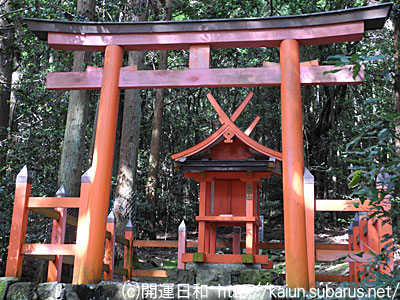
{"x": 309, "y": 29}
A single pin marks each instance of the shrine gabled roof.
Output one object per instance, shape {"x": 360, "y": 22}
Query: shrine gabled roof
{"x": 226, "y": 133}
{"x": 373, "y": 16}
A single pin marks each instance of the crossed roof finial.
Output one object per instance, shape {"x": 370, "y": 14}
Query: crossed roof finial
{"x": 229, "y": 130}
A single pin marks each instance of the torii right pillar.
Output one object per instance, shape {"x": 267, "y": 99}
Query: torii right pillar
{"x": 293, "y": 167}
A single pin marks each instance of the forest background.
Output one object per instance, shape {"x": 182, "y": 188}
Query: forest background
{"x": 351, "y": 133}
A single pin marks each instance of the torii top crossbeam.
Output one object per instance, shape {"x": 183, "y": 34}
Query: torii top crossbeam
{"x": 309, "y": 29}
{"x": 288, "y": 33}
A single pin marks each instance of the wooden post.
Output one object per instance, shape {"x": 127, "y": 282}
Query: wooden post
{"x": 93, "y": 246}
{"x": 309, "y": 203}
{"x": 128, "y": 251}
{"x": 109, "y": 252}
{"x": 202, "y": 213}
{"x": 364, "y": 247}
{"x": 356, "y": 245}
{"x": 199, "y": 57}
{"x": 57, "y": 237}
{"x": 181, "y": 244}
{"x": 19, "y": 223}
{"x": 350, "y": 248}
{"x": 82, "y": 231}
{"x": 250, "y": 213}
{"x": 293, "y": 167}
{"x": 236, "y": 240}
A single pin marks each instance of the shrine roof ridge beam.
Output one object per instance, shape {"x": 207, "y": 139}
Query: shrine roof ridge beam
{"x": 373, "y": 17}
{"x": 193, "y": 78}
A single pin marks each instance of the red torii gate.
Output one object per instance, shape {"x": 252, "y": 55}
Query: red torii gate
{"x": 288, "y": 33}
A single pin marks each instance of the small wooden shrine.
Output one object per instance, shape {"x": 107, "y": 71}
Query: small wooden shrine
{"x": 229, "y": 166}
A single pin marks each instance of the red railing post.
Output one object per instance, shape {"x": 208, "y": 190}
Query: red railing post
{"x": 351, "y": 248}
{"x": 57, "y": 237}
{"x": 109, "y": 252}
{"x": 82, "y": 231}
{"x": 356, "y": 245}
{"x": 181, "y": 244}
{"x": 309, "y": 204}
{"x": 364, "y": 247}
{"x": 128, "y": 251}
{"x": 19, "y": 223}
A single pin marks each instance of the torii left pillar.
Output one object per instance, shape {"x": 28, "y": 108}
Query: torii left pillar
{"x": 293, "y": 167}
{"x": 91, "y": 232}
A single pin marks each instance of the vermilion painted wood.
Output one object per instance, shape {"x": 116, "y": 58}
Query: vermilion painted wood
{"x": 181, "y": 244}
{"x": 342, "y": 205}
{"x": 128, "y": 255}
{"x": 202, "y": 213}
{"x": 83, "y": 231}
{"x": 222, "y": 219}
{"x": 309, "y": 203}
{"x": 109, "y": 252}
{"x": 364, "y": 246}
{"x": 199, "y": 57}
{"x": 150, "y": 273}
{"x": 243, "y": 137}
{"x": 250, "y": 238}
{"x": 41, "y": 202}
{"x": 48, "y": 249}
{"x": 293, "y": 167}
{"x": 349, "y": 256}
{"x": 240, "y": 77}
{"x": 18, "y": 229}
{"x": 252, "y": 126}
{"x": 54, "y": 270}
{"x": 356, "y": 248}
{"x": 224, "y": 244}
{"x": 311, "y": 35}
{"x": 91, "y": 264}
{"x": 351, "y": 265}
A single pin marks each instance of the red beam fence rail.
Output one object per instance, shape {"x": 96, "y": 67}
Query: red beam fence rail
{"x": 58, "y": 253}
{"x": 367, "y": 236}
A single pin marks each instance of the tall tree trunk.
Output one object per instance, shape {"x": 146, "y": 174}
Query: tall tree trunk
{"x": 73, "y": 149}
{"x": 125, "y": 198}
{"x": 6, "y": 70}
{"x": 74, "y": 138}
{"x": 124, "y": 205}
{"x": 154, "y": 159}
{"x": 397, "y": 74}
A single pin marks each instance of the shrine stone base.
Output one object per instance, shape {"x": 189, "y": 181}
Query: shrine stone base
{"x": 181, "y": 284}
